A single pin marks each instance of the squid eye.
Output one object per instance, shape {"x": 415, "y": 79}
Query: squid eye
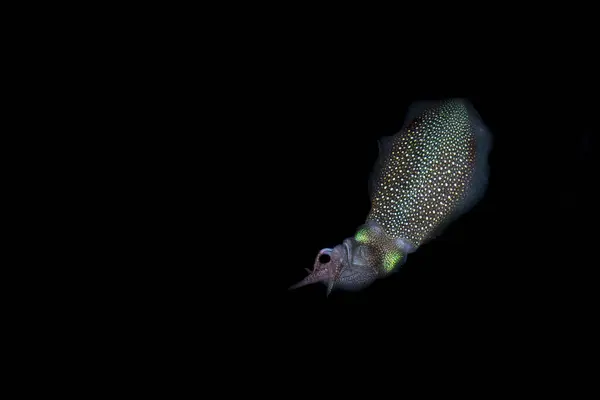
{"x": 324, "y": 258}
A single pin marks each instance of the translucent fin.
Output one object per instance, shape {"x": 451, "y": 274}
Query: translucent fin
{"x": 385, "y": 148}
{"x": 483, "y": 142}
{"x": 416, "y": 109}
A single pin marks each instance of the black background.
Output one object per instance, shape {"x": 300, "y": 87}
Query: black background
{"x": 307, "y": 151}
{"x": 269, "y": 160}
{"x": 231, "y": 152}
{"x": 258, "y": 156}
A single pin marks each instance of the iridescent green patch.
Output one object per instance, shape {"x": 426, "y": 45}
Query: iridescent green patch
{"x": 391, "y": 259}
{"x": 362, "y": 236}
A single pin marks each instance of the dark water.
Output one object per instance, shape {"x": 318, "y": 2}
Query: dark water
{"x": 286, "y": 174}
{"x": 519, "y": 238}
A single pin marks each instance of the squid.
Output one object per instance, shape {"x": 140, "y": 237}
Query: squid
{"x": 427, "y": 175}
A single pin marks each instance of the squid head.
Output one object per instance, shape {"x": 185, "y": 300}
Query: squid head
{"x": 357, "y": 262}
